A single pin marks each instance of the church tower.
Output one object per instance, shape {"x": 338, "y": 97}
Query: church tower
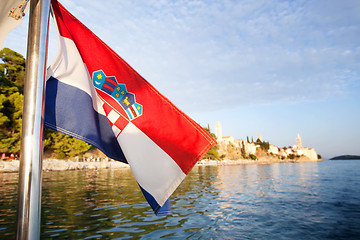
{"x": 218, "y": 131}
{"x": 298, "y": 142}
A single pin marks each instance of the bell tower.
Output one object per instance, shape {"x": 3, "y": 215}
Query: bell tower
{"x": 298, "y": 142}
{"x": 218, "y": 131}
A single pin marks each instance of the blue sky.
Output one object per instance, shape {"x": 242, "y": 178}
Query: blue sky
{"x": 272, "y": 67}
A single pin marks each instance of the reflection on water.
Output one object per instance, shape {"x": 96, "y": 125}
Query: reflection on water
{"x": 280, "y": 201}
{"x": 8, "y": 204}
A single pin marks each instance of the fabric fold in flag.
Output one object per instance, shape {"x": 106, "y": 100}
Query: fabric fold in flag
{"x": 94, "y": 95}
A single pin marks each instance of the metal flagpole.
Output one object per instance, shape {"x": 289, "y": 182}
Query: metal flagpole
{"x": 30, "y": 172}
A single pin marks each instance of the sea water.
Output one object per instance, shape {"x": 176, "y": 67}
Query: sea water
{"x": 318, "y": 200}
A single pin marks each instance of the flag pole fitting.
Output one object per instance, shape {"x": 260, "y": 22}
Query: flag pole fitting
{"x": 19, "y": 11}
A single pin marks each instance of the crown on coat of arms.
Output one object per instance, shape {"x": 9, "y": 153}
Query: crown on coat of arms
{"x": 109, "y": 85}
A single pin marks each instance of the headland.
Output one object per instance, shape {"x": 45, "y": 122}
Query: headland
{"x": 240, "y": 151}
{"x": 346, "y": 157}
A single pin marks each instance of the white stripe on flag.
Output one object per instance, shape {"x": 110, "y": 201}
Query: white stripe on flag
{"x": 68, "y": 67}
{"x": 154, "y": 169}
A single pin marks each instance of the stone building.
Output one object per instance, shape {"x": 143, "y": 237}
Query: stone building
{"x": 251, "y": 148}
{"x": 273, "y": 149}
{"x": 308, "y": 152}
{"x": 227, "y": 139}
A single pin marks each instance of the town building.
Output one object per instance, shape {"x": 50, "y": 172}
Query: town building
{"x": 250, "y": 148}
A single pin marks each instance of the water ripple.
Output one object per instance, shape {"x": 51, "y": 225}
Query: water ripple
{"x": 278, "y": 201}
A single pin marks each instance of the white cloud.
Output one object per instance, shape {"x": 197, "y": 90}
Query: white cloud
{"x": 213, "y": 54}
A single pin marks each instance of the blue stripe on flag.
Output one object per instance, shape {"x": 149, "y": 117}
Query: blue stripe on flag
{"x": 165, "y": 209}
{"x": 151, "y": 200}
{"x": 70, "y": 110}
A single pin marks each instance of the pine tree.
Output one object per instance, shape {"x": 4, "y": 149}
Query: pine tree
{"x": 213, "y": 151}
{"x": 12, "y": 72}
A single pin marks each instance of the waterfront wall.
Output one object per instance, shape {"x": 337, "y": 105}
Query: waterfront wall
{"x": 60, "y": 165}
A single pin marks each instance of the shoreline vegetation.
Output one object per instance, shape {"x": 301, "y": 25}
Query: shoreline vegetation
{"x": 346, "y": 157}
{"x": 9, "y": 166}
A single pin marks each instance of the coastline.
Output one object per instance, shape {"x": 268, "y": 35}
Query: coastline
{"x": 63, "y": 165}
{"x": 260, "y": 161}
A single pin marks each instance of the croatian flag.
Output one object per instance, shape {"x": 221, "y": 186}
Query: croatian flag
{"x": 94, "y": 95}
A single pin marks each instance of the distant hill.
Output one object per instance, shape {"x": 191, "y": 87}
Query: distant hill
{"x": 346, "y": 157}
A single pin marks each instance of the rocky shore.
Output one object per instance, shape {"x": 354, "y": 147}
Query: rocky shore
{"x": 261, "y": 160}
{"x": 61, "y": 165}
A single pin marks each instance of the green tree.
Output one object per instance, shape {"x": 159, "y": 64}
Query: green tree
{"x": 10, "y": 122}
{"x": 212, "y": 154}
{"x": 252, "y": 156}
{"x": 12, "y": 72}
{"x": 243, "y": 152}
{"x": 293, "y": 156}
{"x": 213, "y": 151}
{"x": 12, "y": 69}
{"x": 263, "y": 145}
{"x": 63, "y": 146}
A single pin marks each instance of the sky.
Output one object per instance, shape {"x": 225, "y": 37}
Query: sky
{"x": 270, "y": 67}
